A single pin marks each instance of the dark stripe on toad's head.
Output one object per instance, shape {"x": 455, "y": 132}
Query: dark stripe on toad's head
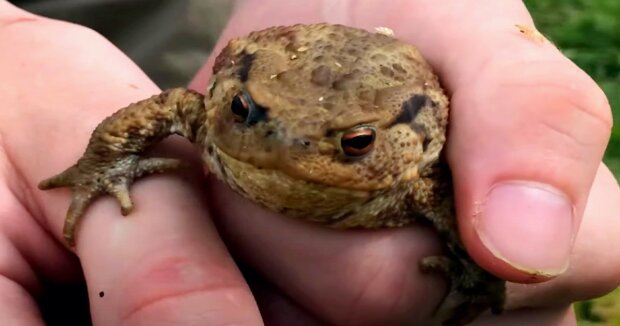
{"x": 222, "y": 59}
{"x": 420, "y": 130}
{"x": 410, "y": 108}
{"x": 246, "y": 64}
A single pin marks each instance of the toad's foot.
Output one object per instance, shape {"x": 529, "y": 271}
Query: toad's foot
{"x": 89, "y": 180}
{"x": 472, "y": 290}
{"x": 113, "y": 158}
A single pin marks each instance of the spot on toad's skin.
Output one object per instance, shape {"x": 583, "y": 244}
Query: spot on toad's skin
{"x": 245, "y": 66}
{"x": 411, "y": 107}
{"x": 321, "y": 76}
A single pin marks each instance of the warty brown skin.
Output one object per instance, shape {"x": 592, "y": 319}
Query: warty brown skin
{"x": 324, "y": 123}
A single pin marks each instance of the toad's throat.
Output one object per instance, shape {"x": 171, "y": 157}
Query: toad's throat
{"x": 336, "y": 207}
{"x": 285, "y": 194}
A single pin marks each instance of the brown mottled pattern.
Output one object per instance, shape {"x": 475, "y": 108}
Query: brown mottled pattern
{"x": 309, "y": 86}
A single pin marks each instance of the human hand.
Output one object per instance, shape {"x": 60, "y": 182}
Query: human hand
{"x": 522, "y": 114}
{"x": 162, "y": 266}
{"x": 58, "y": 81}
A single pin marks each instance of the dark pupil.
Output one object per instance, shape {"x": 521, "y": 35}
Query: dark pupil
{"x": 238, "y": 107}
{"x": 358, "y": 142}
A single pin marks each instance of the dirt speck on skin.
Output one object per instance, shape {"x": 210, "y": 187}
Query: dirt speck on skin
{"x": 531, "y": 33}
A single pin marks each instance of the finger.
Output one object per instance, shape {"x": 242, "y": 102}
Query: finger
{"x": 528, "y": 130}
{"x": 16, "y": 305}
{"x": 277, "y": 309}
{"x": 29, "y": 256}
{"x": 304, "y": 261}
{"x": 163, "y": 264}
{"x": 275, "y": 306}
{"x": 343, "y": 277}
{"x": 9, "y": 11}
{"x": 595, "y": 268}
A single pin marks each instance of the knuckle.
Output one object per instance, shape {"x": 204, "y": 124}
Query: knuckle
{"x": 579, "y": 110}
{"x": 586, "y": 96}
{"x": 171, "y": 279}
{"x": 557, "y": 97}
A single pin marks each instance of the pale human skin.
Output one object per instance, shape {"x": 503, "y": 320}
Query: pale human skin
{"x": 170, "y": 267}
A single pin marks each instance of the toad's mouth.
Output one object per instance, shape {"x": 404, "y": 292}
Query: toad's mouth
{"x": 334, "y": 175}
{"x": 290, "y": 195}
{"x": 336, "y": 207}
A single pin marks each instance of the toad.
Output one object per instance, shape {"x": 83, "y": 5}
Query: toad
{"x": 325, "y": 123}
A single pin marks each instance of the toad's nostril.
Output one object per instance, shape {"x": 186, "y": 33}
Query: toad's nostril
{"x": 302, "y": 142}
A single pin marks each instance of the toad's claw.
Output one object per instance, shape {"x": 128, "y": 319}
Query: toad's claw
{"x": 120, "y": 191}
{"x": 472, "y": 290}
{"x": 63, "y": 179}
{"x": 79, "y": 201}
{"x": 88, "y": 180}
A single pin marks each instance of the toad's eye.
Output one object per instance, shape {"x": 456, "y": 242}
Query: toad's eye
{"x": 358, "y": 141}
{"x": 245, "y": 110}
{"x": 240, "y": 107}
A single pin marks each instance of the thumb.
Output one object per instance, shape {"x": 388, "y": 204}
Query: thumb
{"x": 526, "y": 139}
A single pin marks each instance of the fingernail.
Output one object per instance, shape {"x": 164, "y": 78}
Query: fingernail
{"x": 529, "y": 226}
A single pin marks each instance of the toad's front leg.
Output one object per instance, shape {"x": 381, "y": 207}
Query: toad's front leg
{"x": 472, "y": 290}
{"x": 113, "y": 158}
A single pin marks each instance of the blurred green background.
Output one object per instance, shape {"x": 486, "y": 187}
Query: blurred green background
{"x": 588, "y": 32}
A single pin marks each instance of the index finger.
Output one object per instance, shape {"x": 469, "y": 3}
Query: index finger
{"x": 165, "y": 262}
